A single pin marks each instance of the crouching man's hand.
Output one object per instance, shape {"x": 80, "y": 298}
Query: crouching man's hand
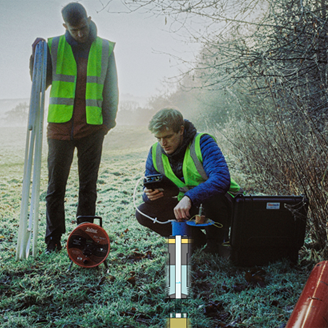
{"x": 153, "y": 194}
{"x": 181, "y": 211}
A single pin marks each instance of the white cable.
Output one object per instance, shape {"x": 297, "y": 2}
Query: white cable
{"x": 155, "y": 220}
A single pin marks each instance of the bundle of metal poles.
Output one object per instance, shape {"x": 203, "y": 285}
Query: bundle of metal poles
{"x": 29, "y": 213}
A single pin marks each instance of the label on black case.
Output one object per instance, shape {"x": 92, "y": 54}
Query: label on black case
{"x": 273, "y": 206}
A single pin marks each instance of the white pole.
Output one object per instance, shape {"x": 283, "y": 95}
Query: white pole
{"x": 23, "y": 232}
{"x": 177, "y": 266}
{"x": 24, "y": 202}
{"x": 33, "y": 141}
{"x": 34, "y": 125}
{"x": 38, "y": 153}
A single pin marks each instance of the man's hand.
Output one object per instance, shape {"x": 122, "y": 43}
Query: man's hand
{"x": 153, "y": 194}
{"x": 181, "y": 211}
{"x": 37, "y": 40}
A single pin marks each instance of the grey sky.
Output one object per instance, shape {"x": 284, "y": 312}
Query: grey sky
{"x": 139, "y": 37}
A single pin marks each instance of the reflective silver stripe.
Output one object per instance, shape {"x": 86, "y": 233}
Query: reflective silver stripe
{"x": 104, "y": 64}
{"x": 198, "y": 164}
{"x": 71, "y": 78}
{"x": 93, "y": 102}
{"x": 159, "y": 162}
{"x": 92, "y": 79}
{"x": 104, "y": 60}
{"x": 61, "y": 101}
{"x": 184, "y": 189}
{"x": 54, "y": 53}
{"x": 64, "y": 78}
{"x": 54, "y": 49}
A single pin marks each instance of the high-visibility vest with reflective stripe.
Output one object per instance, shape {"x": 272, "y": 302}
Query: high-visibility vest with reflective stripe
{"x": 64, "y": 74}
{"x": 192, "y": 168}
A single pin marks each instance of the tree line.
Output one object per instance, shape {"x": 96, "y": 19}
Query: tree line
{"x": 261, "y": 81}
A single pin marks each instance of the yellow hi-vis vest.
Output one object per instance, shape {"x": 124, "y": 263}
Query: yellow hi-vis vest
{"x": 64, "y": 74}
{"x": 192, "y": 168}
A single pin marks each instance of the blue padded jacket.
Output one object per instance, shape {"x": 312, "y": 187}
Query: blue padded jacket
{"x": 216, "y": 169}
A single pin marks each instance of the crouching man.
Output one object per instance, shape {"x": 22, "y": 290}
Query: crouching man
{"x": 195, "y": 164}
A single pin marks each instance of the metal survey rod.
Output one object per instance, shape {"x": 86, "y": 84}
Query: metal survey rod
{"x": 178, "y": 272}
{"x": 178, "y": 266}
{"x": 29, "y": 215}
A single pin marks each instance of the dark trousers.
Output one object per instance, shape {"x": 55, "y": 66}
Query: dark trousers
{"x": 60, "y": 158}
{"x": 217, "y": 209}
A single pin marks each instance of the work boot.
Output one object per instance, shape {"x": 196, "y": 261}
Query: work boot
{"x": 53, "y": 245}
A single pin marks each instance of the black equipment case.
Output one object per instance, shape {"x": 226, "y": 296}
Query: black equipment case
{"x": 267, "y": 228}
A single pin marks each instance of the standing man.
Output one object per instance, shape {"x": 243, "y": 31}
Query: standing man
{"x": 82, "y": 109}
{"x": 195, "y": 164}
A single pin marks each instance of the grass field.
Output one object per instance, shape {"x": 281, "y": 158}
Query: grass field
{"x": 40, "y": 292}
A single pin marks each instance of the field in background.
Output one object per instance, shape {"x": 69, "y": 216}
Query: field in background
{"x": 124, "y": 153}
{"x": 41, "y": 293}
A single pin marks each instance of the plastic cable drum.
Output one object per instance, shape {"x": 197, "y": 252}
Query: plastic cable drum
{"x": 88, "y": 245}
{"x": 311, "y": 309}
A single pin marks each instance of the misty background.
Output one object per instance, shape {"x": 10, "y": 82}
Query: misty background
{"x": 252, "y": 73}
{"x": 145, "y": 51}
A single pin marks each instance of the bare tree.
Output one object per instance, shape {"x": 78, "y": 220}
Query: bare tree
{"x": 278, "y": 76}
{"x": 267, "y": 61}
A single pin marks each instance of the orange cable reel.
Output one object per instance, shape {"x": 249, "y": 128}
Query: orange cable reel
{"x": 88, "y": 245}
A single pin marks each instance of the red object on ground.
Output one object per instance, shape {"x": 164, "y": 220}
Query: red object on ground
{"x": 311, "y": 309}
{"x": 88, "y": 245}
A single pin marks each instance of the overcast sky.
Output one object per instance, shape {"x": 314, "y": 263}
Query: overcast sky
{"x": 139, "y": 38}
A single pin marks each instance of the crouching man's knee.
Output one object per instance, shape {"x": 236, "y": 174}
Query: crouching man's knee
{"x": 164, "y": 230}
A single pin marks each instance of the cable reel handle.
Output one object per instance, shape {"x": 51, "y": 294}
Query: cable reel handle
{"x": 80, "y": 219}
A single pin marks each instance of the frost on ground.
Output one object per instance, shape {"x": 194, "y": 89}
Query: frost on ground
{"x": 39, "y": 292}
{"x": 124, "y": 153}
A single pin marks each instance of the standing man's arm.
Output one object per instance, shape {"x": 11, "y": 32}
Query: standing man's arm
{"x": 110, "y": 94}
